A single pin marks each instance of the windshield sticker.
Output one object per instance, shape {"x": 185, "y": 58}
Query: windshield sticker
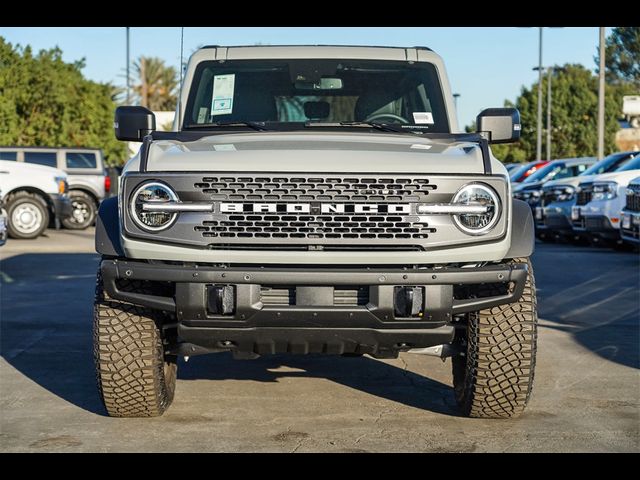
{"x": 202, "y": 114}
{"x": 222, "y": 100}
{"x": 423, "y": 117}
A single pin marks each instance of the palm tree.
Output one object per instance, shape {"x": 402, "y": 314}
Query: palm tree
{"x": 157, "y": 83}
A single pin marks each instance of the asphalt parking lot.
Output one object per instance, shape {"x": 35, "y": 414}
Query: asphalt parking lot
{"x": 586, "y": 397}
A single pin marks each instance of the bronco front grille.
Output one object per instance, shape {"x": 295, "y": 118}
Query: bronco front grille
{"x": 349, "y": 191}
{"x": 303, "y": 211}
{"x": 584, "y": 194}
{"x": 633, "y": 198}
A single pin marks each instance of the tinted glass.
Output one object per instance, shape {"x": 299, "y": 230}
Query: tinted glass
{"x": 81, "y": 160}
{"x": 292, "y": 92}
{"x": 545, "y": 173}
{"x": 41, "y": 158}
{"x": 632, "y": 165}
{"x": 9, "y": 156}
{"x": 609, "y": 164}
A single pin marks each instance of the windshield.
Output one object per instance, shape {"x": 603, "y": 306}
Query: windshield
{"x": 632, "y": 165}
{"x": 609, "y": 164}
{"x": 291, "y": 93}
{"x": 545, "y": 173}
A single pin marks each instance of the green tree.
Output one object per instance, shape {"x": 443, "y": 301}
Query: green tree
{"x": 157, "y": 83}
{"x": 622, "y": 56}
{"x": 45, "y": 101}
{"x": 574, "y": 112}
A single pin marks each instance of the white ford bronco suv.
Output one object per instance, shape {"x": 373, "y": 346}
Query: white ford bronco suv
{"x": 315, "y": 199}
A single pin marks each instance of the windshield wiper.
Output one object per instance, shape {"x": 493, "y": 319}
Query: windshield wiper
{"x": 385, "y": 127}
{"x": 260, "y": 126}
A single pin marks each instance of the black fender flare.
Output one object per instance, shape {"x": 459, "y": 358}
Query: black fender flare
{"x": 108, "y": 229}
{"x": 522, "y": 231}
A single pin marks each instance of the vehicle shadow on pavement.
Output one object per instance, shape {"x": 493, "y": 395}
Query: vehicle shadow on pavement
{"x": 46, "y": 303}
{"x": 599, "y": 307}
{"x": 366, "y": 374}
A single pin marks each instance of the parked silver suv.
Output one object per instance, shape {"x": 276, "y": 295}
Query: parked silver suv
{"x": 315, "y": 199}
{"x": 88, "y": 183}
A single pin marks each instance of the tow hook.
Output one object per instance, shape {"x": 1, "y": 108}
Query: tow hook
{"x": 441, "y": 351}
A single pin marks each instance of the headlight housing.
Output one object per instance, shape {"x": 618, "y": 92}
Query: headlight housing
{"x": 528, "y": 195}
{"x": 152, "y": 192}
{"x": 604, "y": 191}
{"x": 564, "y": 193}
{"x": 477, "y": 194}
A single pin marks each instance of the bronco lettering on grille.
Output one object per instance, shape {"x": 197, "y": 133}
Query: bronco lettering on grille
{"x": 320, "y": 207}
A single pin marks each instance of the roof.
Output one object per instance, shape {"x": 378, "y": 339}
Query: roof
{"x": 313, "y": 45}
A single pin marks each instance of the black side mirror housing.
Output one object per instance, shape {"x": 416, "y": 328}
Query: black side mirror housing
{"x": 133, "y": 123}
{"x": 501, "y": 124}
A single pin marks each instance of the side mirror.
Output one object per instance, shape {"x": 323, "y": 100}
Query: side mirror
{"x": 133, "y": 123}
{"x": 502, "y": 124}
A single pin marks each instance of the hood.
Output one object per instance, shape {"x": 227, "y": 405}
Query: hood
{"x": 26, "y": 168}
{"x": 635, "y": 181}
{"x": 316, "y": 152}
{"x": 621, "y": 178}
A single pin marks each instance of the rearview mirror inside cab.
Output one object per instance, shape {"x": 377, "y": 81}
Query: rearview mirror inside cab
{"x": 502, "y": 124}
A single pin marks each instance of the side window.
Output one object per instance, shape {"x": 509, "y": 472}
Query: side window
{"x": 12, "y": 156}
{"x": 81, "y": 160}
{"x": 564, "y": 173}
{"x": 48, "y": 159}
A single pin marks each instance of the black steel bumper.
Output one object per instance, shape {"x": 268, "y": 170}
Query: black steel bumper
{"x": 256, "y": 327}
{"x": 62, "y": 207}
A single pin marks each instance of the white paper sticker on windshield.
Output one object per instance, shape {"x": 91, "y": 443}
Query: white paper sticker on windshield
{"x": 423, "y": 117}
{"x": 222, "y": 100}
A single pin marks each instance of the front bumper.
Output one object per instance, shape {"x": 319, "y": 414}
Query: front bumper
{"x": 630, "y": 226}
{"x": 553, "y": 219}
{"x": 329, "y": 328}
{"x": 62, "y": 207}
{"x": 596, "y": 225}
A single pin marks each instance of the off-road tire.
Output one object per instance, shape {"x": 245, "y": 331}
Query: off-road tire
{"x": 494, "y": 378}
{"x": 30, "y": 201}
{"x": 135, "y": 376}
{"x": 86, "y": 200}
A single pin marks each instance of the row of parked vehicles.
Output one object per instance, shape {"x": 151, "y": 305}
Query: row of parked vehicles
{"x": 43, "y": 187}
{"x": 583, "y": 199}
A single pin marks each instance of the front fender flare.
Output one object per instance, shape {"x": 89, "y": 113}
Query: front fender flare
{"x": 108, "y": 229}
{"x": 523, "y": 237}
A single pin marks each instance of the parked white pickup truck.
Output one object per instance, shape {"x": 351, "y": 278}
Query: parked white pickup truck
{"x": 33, "y": 196}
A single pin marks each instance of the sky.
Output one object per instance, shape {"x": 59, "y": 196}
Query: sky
{"x": 486, "y": 65}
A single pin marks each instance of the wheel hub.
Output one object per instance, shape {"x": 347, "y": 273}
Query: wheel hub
{"x": 26, "y": 218}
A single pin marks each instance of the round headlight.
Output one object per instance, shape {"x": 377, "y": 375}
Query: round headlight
{"x": 477, "y": 223}
{"x": 152, "y": 193}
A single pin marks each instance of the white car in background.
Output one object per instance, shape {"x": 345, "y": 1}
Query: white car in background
{"x": 33, "y": 196}
{"x": 597, "y": 213}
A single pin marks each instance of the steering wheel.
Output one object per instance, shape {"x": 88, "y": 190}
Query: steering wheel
{"x": 392, "y": 116}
